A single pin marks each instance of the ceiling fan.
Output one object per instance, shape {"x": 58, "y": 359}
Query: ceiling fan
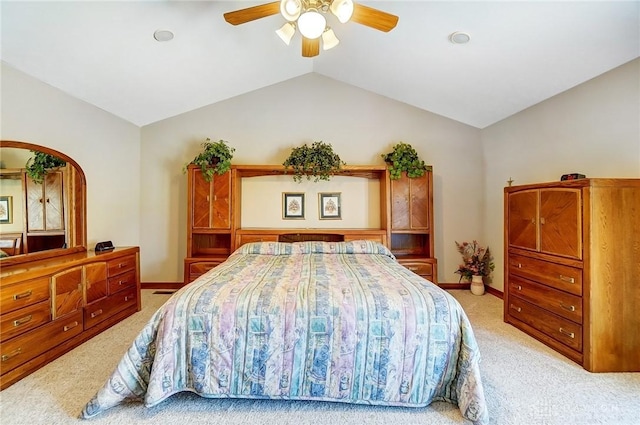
{"x": 308, "y": 17}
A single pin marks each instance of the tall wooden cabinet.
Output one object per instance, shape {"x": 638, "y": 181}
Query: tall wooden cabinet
{"x": 208, "y": 222}
{"x": 214, "y": 229}
{"x": 572, "y": 261}
{"x": 411, "y": 224}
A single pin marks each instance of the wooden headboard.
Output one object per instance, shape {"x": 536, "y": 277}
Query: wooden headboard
{"x": 244, "y": 236}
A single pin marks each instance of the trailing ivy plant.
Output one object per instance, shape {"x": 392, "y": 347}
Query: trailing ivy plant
{"x": 318, "y": 160}
{"x": 40, "y": 164}
{"x": 215, "y": 158}
{"x": 404, "y": 157}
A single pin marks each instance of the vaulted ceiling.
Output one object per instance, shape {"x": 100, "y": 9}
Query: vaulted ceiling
{"x": 520, "y": 53}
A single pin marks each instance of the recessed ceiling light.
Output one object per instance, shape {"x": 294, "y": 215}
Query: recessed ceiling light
{"x": 459, "y": 37}
{"x": 163, "y": 35}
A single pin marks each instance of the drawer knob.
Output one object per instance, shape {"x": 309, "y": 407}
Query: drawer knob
{"x": 22, "y": 321}
{"x": 96, "y": 313}
{"x": 567, "y": 279}
{"x": 567, "y": 333}
{"x": 413, "y": 269}
{"x": 513, "y": 307}
{"x": 568, "y": 307}
{"x": 70, "y": 326}
{"x": 23, "y": 295}
{"x": 519, "y": 288}
{"x": 6, "y": 357}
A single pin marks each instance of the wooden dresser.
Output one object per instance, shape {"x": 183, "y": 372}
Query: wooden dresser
{"x": 572, "y": 269}
{"x": 50, "y": 306}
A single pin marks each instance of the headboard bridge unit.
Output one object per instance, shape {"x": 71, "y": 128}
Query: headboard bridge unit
{"x": 215, "y": 217}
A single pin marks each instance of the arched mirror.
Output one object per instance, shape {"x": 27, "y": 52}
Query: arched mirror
{"x": 42, "y": 217}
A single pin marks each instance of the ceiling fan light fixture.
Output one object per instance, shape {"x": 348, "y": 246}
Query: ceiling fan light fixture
{"x": 342, "y": 9}
{"x": 311, "y": 24}
{"x": 329, "y": 39}
{"x": 290, "y": 9}
{"x": 286, "y": 32}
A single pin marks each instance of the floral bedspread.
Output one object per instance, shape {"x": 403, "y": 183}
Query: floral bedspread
{"x": 305, "y": 321}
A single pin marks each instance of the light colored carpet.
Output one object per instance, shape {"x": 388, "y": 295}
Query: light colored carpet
{"x": 525, "y": 384}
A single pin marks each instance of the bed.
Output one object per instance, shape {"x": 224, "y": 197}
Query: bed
{"x": 323, "y": 321}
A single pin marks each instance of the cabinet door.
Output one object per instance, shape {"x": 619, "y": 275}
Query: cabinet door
{"x": 95, "y": 281}
{"x": 523, "y": 219}
{"x": 67, "y": 291}
{"x": 221, "y": 205}
{"x": 410, "y": 203}
{"x": 35, "y": 206}
{"x": 419, "y": 202}
{"x": 211, "y": 207}
{"x": 53, "y": 206}
{"x": 561, "y": 222}
{"x": 400, "y": 210}
{"x": 45, "y": 210}
{"x": 201, "y": 192}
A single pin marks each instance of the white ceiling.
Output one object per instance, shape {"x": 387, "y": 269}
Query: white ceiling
{"x": 521, "y": 52}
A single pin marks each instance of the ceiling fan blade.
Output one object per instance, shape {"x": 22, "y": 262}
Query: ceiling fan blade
{"x": 373, "y": 18}
{"x": 310, "y": 48}
{"x": 249, "y": 14}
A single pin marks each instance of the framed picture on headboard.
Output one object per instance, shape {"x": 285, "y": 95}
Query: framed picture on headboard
{"x": 330, "y": 206}
{"x": 293, "y": 205}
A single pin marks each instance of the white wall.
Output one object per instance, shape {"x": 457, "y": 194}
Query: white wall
{"x": 105, "y": 146}
{"x": 262, "y": 203}
{"x": 266, "y": 124}
{"x": 593, "y": 129}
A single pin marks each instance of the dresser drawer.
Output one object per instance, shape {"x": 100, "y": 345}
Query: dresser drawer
{"x": 558, "y": 328}
{"x": 23, "y": 294}
{"x": 198, "y": 269}
{"x": 121, "y": 265}
{"x": 25, "y": 319}
{"x": 559, "y": 302}
{"x": 422, "y": 268}
{"x": 104, "y": 309}
{"x": 122, "y": 281}
{"x": 558, "y": 276}
{"x": 25, "y": 347}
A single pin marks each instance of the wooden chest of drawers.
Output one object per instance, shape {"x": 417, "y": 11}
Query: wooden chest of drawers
{"x": 571, "y": 267}
{"x": 51, "y": 306}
